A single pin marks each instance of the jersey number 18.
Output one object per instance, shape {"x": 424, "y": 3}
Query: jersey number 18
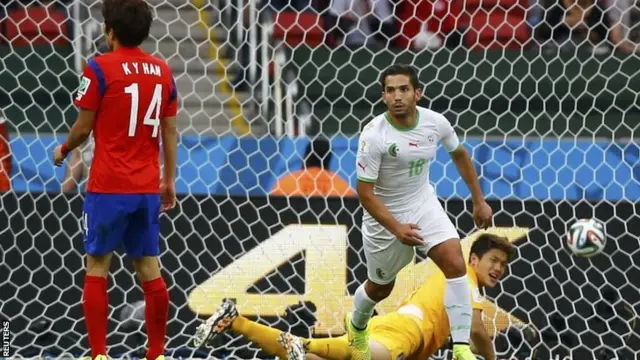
{"x": 152, "y": 116}
{"x": 416, "y": 167}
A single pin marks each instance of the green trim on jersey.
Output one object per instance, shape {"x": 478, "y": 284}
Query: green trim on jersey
{"x": 400, "y": 128}
{"x": 367, "y": 180}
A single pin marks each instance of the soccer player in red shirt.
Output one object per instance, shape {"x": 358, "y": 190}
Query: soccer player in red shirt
{"x": 128, "y": 99}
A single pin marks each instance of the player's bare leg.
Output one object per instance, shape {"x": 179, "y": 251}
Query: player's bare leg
{"x": 99, "y": 265}
{"x": 147, "y": 268}
{"x": 95, "y": 303}
{"x": 364, "y": 301}
{"x": 457, "y": 300}
{"x": 156, "y": 299}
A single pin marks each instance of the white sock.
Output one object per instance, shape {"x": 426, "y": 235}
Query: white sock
{"x": 457, "y": 302}
{"x": 362, "y": 308}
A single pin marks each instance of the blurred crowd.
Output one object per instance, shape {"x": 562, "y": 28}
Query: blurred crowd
{"x": 548, "y": 27}
{"x": 599, "y": 25}
{"x": 603, "y": 25}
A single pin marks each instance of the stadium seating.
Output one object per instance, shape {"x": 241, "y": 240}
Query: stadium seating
{"x": 294, "y": 28}
{"x": 488, "y": 24}
{"x": 35, "y": 25}
{"x": 497, "y": 30}
{"x": 495, "y": 24}
{"x": 439, "y": 16}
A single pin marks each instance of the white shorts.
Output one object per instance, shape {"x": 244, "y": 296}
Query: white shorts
{"x": 386, "y": 255}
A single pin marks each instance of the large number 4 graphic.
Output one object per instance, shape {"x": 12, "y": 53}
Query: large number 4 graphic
{"x": 152, "y": 116}
{"x": 325, "y": 249}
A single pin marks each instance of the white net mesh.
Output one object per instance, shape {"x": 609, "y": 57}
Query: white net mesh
{"x": 546, "y": 103}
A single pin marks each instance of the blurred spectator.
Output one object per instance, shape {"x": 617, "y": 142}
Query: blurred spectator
{"x": 428, "y": 24}
{"x": 577, "y": 20}
{"x": 5, "y": 155}
{"x": 624, "y": 17}
{"x": 77, "y": 170}
{"x": 352, "y": 22}
{"x": 315, "y": 179}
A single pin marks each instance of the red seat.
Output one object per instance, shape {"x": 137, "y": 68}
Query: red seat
{"x": 489, "y": 5}
{"x": 497, "y": 30}
{"x": 296, "y": 28}
{"x": 36, "y": 25}
{"x": 440, "y": 17}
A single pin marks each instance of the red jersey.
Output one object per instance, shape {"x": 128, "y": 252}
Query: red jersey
{"x": 131, "y": 92}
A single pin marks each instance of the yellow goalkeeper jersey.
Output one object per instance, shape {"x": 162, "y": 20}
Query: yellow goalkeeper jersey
{"x": 429, "y": 297}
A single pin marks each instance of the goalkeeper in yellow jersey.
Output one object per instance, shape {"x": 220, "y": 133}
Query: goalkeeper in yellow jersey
{"x": 416, "y": 330}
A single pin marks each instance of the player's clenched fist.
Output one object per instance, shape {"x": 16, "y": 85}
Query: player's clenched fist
{"x": 58, "y": 155}
{"x": 168, "y": 194}
{"x": 407, "y": 234}
{"x": 482, "y": 214}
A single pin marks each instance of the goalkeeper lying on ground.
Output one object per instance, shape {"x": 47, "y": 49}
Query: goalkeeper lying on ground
{"x": 416, "y": 330}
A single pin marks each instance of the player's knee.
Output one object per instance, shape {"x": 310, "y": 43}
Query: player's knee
{"x": 147, "y": 268}
{"x": 379, "y": 351}
{"x": 454, "y": 268}
{"x": 448, "y": 256}
{"x": 98, "y": 265}
{"x": 378, "y": 292}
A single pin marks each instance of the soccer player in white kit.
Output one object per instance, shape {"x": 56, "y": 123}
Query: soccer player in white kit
{"x": 402, "y": 211}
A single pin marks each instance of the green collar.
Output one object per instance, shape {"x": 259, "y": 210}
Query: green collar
{"x": 403, "y": 128}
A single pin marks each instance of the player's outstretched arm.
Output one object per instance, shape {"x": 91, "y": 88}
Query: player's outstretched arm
{"x": 482, "y": 212}
{"x": 480, "y": 340}
{"x": 170, "y": 150}
{"x": 79, "y": 133}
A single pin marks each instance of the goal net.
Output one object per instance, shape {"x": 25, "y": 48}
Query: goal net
{"x": 550, "y": 117}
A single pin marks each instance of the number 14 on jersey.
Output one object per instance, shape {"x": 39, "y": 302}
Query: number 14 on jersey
{"x": 152, "y": 115}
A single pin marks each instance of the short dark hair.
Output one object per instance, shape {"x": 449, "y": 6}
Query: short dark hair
{"x": 130, "y": 20}
{"x": 487, "y": 241}
{"x": 400, "y": 69}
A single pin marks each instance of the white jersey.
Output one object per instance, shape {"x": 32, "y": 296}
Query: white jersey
{"x": 397, "y": 160}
